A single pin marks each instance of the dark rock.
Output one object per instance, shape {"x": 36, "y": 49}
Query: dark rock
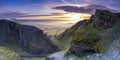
{"x": 86, "y": 39}
{"x": 29, "y": 38}
{"x": 82, "y": 48}
{"x": 118, "y": 15}
{"x": 103, "y": 19}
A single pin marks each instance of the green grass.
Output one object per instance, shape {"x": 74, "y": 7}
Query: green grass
{"x": 33, "y": 58}
{"x": 7, "y": 54}
{"x": 86, "y": 32}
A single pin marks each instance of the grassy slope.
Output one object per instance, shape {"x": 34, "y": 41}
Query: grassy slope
{"x": 109, "y": 44}
{"x": 7, "y": 54}
{"x": 108, "y": 36}
{"x": 63, "y": 40}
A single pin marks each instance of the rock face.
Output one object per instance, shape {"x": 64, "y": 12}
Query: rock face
{"x": 88, "y": 39}
{"x": 29, "y": 38}
{"x": 103, "y": 19}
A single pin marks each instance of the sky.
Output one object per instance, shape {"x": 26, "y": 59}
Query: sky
{"x": 54, "y": 9}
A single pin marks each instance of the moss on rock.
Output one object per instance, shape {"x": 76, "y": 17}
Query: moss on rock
{"x": 86, "y": 40}
{"x": 86, "y": 32}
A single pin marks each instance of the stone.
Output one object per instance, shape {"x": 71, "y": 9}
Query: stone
{"x": 103, "y": 19}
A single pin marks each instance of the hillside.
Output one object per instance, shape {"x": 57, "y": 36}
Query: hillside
{"x": 7, "y": 54}
{"x": 97, "y": 40}
{"x": 25, "y": 39}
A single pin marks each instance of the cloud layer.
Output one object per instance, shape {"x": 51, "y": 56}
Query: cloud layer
{"x": 84, "y": 9}
{"x": 11, "y": 14}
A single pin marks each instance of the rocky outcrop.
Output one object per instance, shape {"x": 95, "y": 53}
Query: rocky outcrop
{"x": 29, "y": 38}
{"x": 89, "y": 38}
{"x": 103, "y": 19}
{"x": 84, "y": 40}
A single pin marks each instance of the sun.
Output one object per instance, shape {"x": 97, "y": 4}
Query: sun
{"x": 73, "y": 16}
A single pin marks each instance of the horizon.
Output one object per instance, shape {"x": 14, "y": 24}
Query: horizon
{"x": 54, "y": 9}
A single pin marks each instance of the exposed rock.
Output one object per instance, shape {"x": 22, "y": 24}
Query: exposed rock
{"x": 29, "y": 38}
{"x": 118, "y": 15}
{"x": 81, "y": 48}
{"x": 84, "y": 40}
{"x": 103, "y": 19}
{"x": 87, "y": 39}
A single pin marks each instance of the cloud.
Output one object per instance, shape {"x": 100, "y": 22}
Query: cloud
{"x": 52, "y": 14}
{"x": 84, "y": 9}
{"x": 90, "y": 1}
{"x": 7, "y": 12}
{"x": 102, "y": 0}
{"x": 10, "y": 14}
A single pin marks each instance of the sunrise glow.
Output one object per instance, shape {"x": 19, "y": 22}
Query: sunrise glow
{"x": 73, "y": 16}
{"x": 77, "y": 16}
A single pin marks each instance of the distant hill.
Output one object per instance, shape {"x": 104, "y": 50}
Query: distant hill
{"x": 25, "y": 38}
